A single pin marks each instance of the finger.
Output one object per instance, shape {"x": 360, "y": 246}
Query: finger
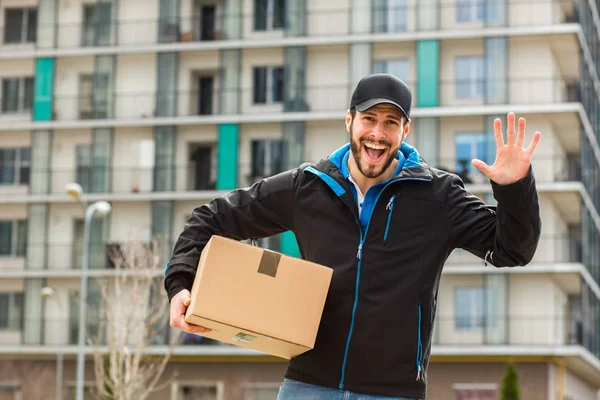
{"x": 521, "y": 133}
{"x": 510, "y": 129}
{"x": 498, "y": 133}
{"x": 536, "y": 139}
{"x": 480, "y": 165}
{"x": 194, "y": 328}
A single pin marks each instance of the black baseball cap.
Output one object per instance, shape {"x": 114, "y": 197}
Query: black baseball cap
{"x": 381, "y": 88}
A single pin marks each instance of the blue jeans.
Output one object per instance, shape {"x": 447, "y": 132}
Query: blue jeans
{"x": 293, "y": 390}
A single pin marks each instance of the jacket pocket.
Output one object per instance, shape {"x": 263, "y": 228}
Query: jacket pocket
{"x": 390, "y": 210}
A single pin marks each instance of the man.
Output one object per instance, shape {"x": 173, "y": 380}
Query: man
{"x": 385, "y": 221}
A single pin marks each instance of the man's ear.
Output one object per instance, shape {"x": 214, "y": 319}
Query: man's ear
{"x": 348, "y": 121}
{"x": 406, "y": 130}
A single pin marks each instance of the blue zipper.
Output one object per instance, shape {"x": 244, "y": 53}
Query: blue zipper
{"x": 390, "y": 208}
{"x": 359, "y": 256}
{"x": 419, "y": 348}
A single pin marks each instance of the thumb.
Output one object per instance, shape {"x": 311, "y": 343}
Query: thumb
{"x": 480, "y": 165}
{"x": 186, "y": 301}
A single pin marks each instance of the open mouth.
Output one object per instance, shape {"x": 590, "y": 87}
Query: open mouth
{"x": 374, "y": 152}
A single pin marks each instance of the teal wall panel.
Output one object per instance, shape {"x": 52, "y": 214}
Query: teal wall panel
{"x": 44, "y": 89}
{"x": 227, "y": 169}
{"x": 289, "y": 245}
{"x": 428, "y": 73}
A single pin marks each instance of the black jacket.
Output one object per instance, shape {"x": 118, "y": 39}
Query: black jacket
{"x": 375, "y": 333}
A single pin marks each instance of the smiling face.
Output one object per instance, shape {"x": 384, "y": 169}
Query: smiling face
{"x": 375, "y": 138}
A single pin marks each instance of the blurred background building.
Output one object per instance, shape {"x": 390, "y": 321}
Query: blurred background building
{"x": 158, "y": 106}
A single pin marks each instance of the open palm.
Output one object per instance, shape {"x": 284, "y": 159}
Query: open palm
{"x": 512, "y": 160}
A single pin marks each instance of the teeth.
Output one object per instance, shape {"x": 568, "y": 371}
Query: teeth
{"x": 374, "y": 146}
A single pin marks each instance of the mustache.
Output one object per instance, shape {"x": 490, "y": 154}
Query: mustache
{"x": 379, "y": 142}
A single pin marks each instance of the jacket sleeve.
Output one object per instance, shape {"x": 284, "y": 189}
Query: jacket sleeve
{"x": 264, "y": 209}
{"x": 506, "y": 235}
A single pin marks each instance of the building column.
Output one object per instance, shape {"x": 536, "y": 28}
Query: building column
{"x": 165, "y": 138}
{"x": 162, "y": 225}
{"x": 103, "y": 97}
{"x": 496, "y": 13}
{"x": 295, "y": 17}
{"x": 102, "y": 142}
{"x": 232, "y": 19}
{"x": 496, "y": 70}
{"x": 496, "y": 321}
{"x": 168, "y": 21}
{"x": 428, "y": 15}
{"x": 295, "y": 79}
{"x": 46, "y": 24}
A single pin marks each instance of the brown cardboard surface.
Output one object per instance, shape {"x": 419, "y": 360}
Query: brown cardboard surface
{"x": 247, "y": 289}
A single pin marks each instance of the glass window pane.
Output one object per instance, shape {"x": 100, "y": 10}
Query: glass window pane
{"x": 7, "y": 166}
{"x": 10, "y": 94}
{"x": 21, "y": 238}
{"x": 28, "y": 94}
{"x": 13, "y": 25}
{"x": 278, "y": 83}
{"x": 279, "y": 14}
{"x": 4, "y": 310}
{"x": 5, "y": 237}
{"x": 260, "y": 15}
{"x": 259, "y": 85}
{"x": 25, "y": 166}
{"x": 32, "y": 16}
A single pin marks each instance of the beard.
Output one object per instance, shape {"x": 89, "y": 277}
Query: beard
{"x": 369, "y": 170}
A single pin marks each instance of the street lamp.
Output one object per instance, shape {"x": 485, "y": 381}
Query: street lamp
{"x": 102, "y": 208}
{"x": 48, "y": 293}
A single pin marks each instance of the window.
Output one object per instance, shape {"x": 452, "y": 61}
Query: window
{"x": 15, "y": 166}
{"x": 13, "y": 238}
{"x": 268, "y": 85}
{"x": 478, "y": 391}
{"x": 20, "y": 25}
{"x": 469, "y": 146}
{"x": 83, "y": 172}
{"x": 97, "y": 24}
{"x": 86, "y": 90}
{"x": 397, "y": 68}
{"x": 469, "y": 77}
{"x": 267, "y": 158}
{"x": 261, "y": 391}
{"x": 269, "y": 14}
{"x": 468, "y": 308}
{"x": 17, "y": 94}
{"x": 11, "y": 311}
{"x": 192, "y": 391}
{"x": 389, "y": 16}
{"x": 469, "y": 10}
{"x": 98, "y": 254}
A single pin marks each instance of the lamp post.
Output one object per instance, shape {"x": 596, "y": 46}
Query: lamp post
{"x": 48, "y": 293}
{"x": 102, "y": 208}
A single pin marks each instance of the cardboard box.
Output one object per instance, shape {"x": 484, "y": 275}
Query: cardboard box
{"x": 257, "y": 298}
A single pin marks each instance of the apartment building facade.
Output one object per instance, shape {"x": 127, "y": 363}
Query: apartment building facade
{"x": 158, "y": 106}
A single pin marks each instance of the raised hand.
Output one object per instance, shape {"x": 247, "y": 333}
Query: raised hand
{"x": 512, "y": 160}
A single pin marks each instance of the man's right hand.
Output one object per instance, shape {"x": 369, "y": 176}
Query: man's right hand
{"x": 179, "y": 304}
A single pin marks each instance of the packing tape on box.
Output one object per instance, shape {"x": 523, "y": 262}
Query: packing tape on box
{"x": 269, "y": 263}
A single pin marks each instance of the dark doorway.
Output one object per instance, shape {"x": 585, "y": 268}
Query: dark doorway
{"x": 204, "y": 98}
{"x": 201, "y": 158}
{"x": 207, "y": 22}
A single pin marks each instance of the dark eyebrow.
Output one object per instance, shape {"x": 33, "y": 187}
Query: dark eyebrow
{"x": 392, "y": 116}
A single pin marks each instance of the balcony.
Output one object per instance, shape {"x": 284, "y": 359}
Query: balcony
{"x": 140, "y": 106}
{"x": 552, "y": 249}
{"x": 213, "y": 24}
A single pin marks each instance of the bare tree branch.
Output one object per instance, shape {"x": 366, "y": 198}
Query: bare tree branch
{"x": 134, "y": 314}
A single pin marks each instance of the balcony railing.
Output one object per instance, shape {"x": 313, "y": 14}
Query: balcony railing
{"x": 324, "y": 98}
{"x": 547, "y": 168}
{"x": 468, "y": 330}
{"x": 322, "y": 22}
{"x": 69, "y": 256}
{"x": 557, "y": 248}
{"x": 552, "y": 249}
{"x": 132, "y": 180}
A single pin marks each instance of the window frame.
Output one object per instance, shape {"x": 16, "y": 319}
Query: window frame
{"x": 24, "y": 99}
{"x": 470, "y": 321}
{"x": 13, "y": 299}
{"x": 472, "y": 87}
{"x": 16, "y": 225}
{"x": 19, "y": 163}
{"x": 272, "y": 91}
{"x": 269, "y": 22}
{"x": 470, "y": 11}
{"x": 25, "y": 21}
